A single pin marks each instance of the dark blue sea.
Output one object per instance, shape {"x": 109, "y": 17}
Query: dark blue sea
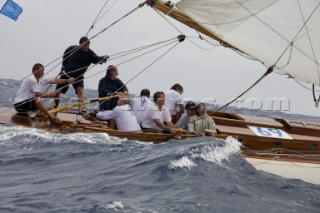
{"x": 49, "y": 172}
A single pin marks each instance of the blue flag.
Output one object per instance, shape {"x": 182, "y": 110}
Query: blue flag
{"x": 11, "y": 10}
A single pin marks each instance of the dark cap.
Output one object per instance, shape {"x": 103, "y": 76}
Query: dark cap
{"x": 84, "y": 39}
{"x": 191, "y": 105}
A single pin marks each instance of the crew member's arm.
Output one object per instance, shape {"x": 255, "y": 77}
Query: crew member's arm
{"x": 160, "y": 124}
{"x": 123, "y": 94}
{"x": 53, "y": 81}
{"x": 168, "y": 121}
{"x": 98, "y": 59}
{"x": 61, "y": 81}
{"x": 181, "y": 108}
{"x": 107, "y": 115}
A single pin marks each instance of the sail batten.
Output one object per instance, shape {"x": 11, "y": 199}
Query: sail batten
{"x": 280, "y": 32}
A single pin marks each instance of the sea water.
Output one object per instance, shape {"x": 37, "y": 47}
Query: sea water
{"x": 93, "y": 172}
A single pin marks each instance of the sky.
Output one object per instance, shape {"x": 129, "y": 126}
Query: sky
{"x": 47, "y": 27}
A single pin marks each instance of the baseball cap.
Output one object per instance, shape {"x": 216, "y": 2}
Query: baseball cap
{"x": 191, "y": 105}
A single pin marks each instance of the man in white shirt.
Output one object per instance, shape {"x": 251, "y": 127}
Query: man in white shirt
{"x": 29, "y": 95}
{"x": 123, "y": 115}
{"x": 157, "y": 115}
{"x": 174, "y": 100}
{"x": 184, "y": 119}
{"x": 140, "y": 105}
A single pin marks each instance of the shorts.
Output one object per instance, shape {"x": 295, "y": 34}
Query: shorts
{"x": 26, "y": 105}
{"x": 64, "y": 87}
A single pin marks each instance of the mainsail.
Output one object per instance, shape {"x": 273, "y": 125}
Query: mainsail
{"x": 284, "y": 33}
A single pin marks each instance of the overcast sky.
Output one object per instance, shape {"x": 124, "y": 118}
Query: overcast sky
{"x": 47, "y": 27}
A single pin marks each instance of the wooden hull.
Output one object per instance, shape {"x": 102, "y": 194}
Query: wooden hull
{"x": 277, "y": 135}
{"x": 297, "y": 157}
{"x": 69, "y": 126}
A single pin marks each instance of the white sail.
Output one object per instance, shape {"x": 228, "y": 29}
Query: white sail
{"x": 264, "y": 29}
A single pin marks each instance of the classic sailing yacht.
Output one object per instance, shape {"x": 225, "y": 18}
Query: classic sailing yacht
{"x": 282, "y": 41}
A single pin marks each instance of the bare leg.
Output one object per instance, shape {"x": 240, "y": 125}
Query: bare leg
{"x": 57, "y": 99}
{"x": 43, "y": 109}
{"x": 80, "y": 98}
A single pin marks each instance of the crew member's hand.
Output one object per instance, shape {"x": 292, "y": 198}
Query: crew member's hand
{"x": 105, "y": 57}
{"x": 70, "y": 80}
{"x": 122, "y": 95}
{"x": 173, "y": 131}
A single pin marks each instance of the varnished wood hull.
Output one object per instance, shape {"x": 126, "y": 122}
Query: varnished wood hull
{"x": 69, "y": 126}
{"x": 286, "y": 157}
{"x": 299, "y": 139}
{"x": 302, "y": 139}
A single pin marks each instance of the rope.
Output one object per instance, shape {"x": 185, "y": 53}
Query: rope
{"x": 178, "y": 28}
{"x": 79, "y": 47}
{"x": 96, "y": 19}
{"x": 143, "y": 70}
{"x": 115, "y": 22}
{"x": 128, "y": 52}
{"x": 269, "y": 70}
{"x": 63, "y": 108}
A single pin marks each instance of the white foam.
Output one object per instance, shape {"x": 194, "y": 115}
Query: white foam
{"x": 183, "y": 162}
{"x": 115, "y": 205}
{"x": 9, "y": 132}
{"x": 94, "y": 138}
{"x": 217, "y": 153}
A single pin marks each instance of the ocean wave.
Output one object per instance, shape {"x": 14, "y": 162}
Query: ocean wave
{"x": 115, "y": 205}
{"x": 24, "y": 135}
{"x": 183, "y": 162}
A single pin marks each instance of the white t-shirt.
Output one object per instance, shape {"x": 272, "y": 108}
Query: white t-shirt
{"x": 155, "y": 113}
{"x": 124, "y": 117}
{"x": 140, "y": 106}
{"x": 172, "y": 99}
{"x": 183, "y": 121}
{"x": 29, "y": 87}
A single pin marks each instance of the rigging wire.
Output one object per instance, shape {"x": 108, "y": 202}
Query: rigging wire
{"x": 313, "y": 53}
{"x": 114, "y": 3}
{"x": 135, "y": 57}
{"x": 96, "y": 19}
{"x": 126, "y": 15}
{"x": 134, "y": 50}
{"x": 270, "y": 69}
{"x": 143, "y": 70}
{"x": 178, "y": 29}
{"x": 115, "y": 22}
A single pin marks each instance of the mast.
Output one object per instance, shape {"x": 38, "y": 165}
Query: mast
{"x": 168, "y": 9}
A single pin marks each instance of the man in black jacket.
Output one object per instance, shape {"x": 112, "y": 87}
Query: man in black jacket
{"x": 76, "y": 60}
{"x": 111, "y": 85}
